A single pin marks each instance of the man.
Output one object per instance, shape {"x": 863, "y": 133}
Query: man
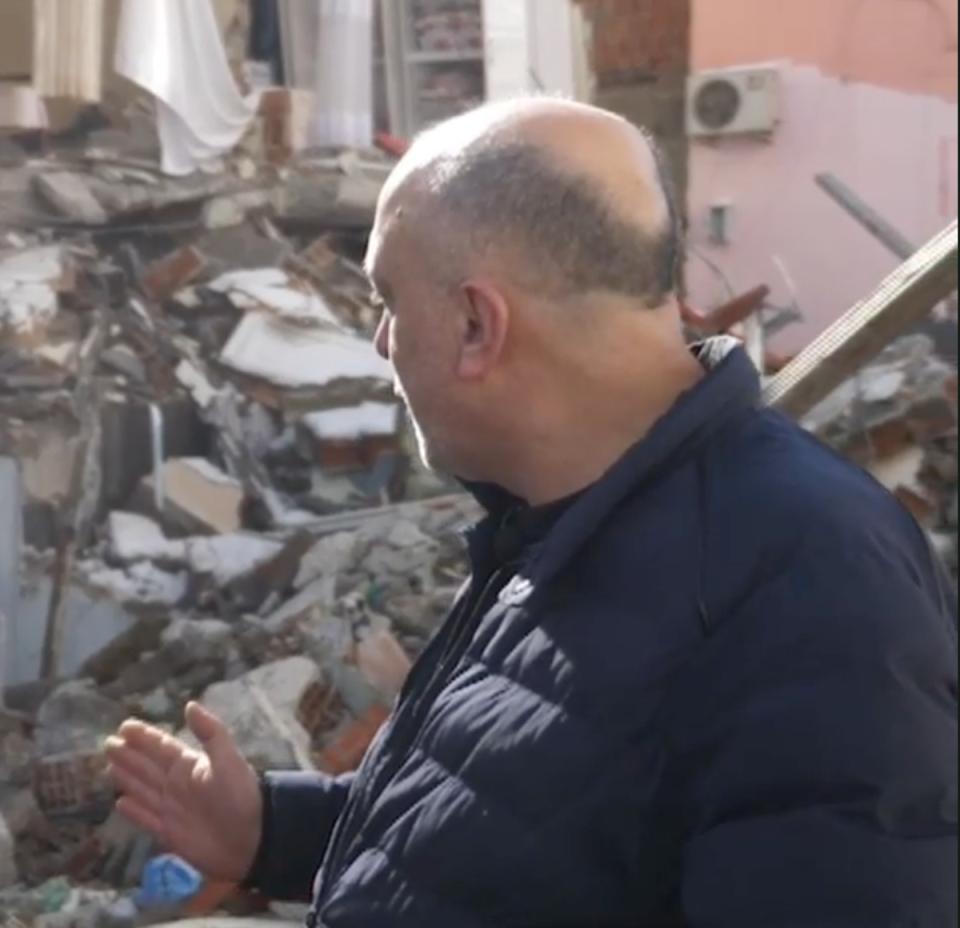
{"x": 705, "y": 671}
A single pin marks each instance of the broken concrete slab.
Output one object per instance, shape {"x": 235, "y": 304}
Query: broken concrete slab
{"x": 92, "y": 620}
{"x": 328, "y": 556}
{"x": 133, "y": 537}
{"x": 141, "y": 584}
{"x": 275, "y": 291}
{"x": 70, "y": 196}
{"x": 226, "y": 558}
{"x": 290, "y": 356}
{"x": 231, "y": 210}
{"x": 345, "y": 200}
{"x": 283, "y": 687}
{"x": 195, "y": 498}
{"x": 75, "y": 718}
{"x": 204, "y": 639}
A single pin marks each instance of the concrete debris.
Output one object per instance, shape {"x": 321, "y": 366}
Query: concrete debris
{"x": 208, "y": 488}
{"x": 30, "y": 282}
{"x": 208, "y": 491}
{"x": 268, "y": 709}
{"x": 299, "y": 639}
{"x": 898, "y": 418}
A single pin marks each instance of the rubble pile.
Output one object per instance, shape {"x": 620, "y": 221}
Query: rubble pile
{"x": 299, "y": 642}
{"x": 938, "y": 476}
{"x": 898, "y": 418}
{"x": 194, "y": 350}
{"x": 216, "y": 316}
{"x": 207, "y": 487}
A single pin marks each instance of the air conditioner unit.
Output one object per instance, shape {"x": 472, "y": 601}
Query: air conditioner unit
{"x": 733, "y": 102}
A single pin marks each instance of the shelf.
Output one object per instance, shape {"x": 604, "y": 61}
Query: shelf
{"x": 435, "y": 60}
{"x": 466, "y": 56}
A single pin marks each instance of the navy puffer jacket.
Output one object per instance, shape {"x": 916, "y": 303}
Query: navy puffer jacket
{"x": 721, "y": 694}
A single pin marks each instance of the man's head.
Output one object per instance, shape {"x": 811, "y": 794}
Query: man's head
{"x": 525, "y": 254}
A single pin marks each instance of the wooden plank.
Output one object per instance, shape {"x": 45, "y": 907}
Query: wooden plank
{"x": 906, "y": 297}
{"x": 75, "y": 515}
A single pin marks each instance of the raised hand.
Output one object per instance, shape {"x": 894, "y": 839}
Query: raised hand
{"x": 205, "y": 806}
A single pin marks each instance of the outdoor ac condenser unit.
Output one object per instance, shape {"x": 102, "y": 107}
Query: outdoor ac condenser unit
{"x": 733, "y": 102}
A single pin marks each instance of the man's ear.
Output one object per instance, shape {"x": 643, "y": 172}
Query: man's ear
{"x": 486, "y": 317}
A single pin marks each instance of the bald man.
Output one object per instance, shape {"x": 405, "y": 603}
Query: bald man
{"x": 704, "y": 673}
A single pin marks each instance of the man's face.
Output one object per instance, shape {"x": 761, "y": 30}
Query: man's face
{"x": 445, "y": 338}
{"x": 415, "y": 334}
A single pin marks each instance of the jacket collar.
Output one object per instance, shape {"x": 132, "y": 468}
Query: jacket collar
{"x": 731, "y": 387}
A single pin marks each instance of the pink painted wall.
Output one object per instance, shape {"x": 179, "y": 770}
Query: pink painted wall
{"x": 869, "y": 94}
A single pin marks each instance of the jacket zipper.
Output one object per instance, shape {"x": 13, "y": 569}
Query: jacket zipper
{"x": 403, "y": 730}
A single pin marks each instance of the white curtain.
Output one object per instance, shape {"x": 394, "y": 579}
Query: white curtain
{"x": 300, "y": 35}
{"x": 174, "y": 50}
{"x": 68, "y": 49}
{"x": 328, "y": 49}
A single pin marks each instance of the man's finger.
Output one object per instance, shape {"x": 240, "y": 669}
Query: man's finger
{"x": 141, "y": 816}
{"x": 132, "y": 786}
{"x": 134, "y": 765}
{"x": 206, "y": 727}
{"x": 161, "y": 748}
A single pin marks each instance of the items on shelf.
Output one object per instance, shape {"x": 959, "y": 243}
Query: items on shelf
{"x": 448, "y": 26}
{"x": 449, "y": 89}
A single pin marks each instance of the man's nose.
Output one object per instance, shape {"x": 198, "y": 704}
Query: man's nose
{"x": 381, "y": 338}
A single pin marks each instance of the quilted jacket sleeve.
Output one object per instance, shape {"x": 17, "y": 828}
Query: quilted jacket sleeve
{"x": 302, "y": 810}
{"x": 818, "y": 765}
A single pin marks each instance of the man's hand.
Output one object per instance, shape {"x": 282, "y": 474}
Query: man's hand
{"x": 204, "y": 806}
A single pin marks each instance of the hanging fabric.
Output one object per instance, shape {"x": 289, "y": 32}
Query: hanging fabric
{"x": 343, "y": 80}
{"x": 68, "y": 49}
{"x": 174, "y": 50}
{"x": 328, "y": 50}
{"x": 299, "y": 35}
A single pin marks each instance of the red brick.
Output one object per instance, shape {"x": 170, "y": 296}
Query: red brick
{"x": 168, "y": 275}
{"x": 636, "y": 40}
{"x": 71, "y": 783}
{"x": 346, "y": 751}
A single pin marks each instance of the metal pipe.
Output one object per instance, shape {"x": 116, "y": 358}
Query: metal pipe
{"x": 881, "y": 229}
{"x": 159, "y": 454}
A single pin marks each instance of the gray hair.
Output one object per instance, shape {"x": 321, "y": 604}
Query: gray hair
{"x": 558, "y": 228}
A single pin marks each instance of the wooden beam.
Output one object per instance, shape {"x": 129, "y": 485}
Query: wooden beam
{"x": 725, "y": 317}
{"x": 737, "y": 311}
{"x": 908, "y": 295}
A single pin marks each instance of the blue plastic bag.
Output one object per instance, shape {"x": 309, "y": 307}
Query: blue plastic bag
{"x": 167, "y": 881}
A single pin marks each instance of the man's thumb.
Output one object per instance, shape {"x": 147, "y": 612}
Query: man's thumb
{"x": 208, "y": 729}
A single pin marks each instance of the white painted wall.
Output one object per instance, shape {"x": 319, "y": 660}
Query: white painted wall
{"x": 885, "y": 144}
{"x": 535, "y": 45}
